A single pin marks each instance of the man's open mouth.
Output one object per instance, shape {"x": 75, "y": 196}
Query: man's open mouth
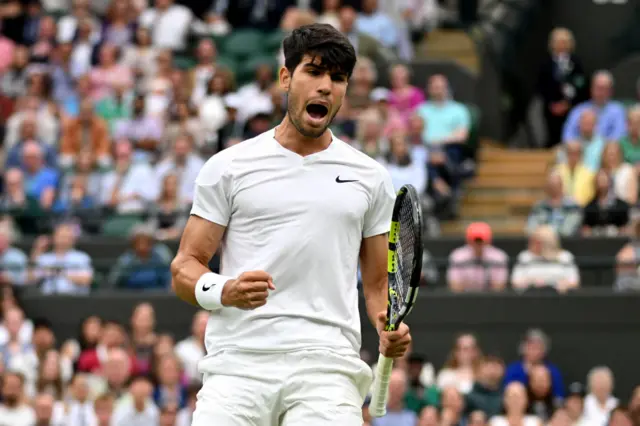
{"x": 317, "y": 111}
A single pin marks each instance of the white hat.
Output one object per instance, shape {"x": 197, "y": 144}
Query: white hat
{"x": 379, "y": 94}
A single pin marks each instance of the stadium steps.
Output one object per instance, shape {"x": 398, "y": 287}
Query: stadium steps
{"x": 453, "y": 45}
{"x": 507, "y": 184}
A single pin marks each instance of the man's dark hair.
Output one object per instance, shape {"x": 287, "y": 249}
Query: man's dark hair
{"x": 42, "y": 323}
{"x": 322, "y": 41}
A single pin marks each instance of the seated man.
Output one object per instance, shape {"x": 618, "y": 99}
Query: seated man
{"x": 611, "y": 114}
{"x": 556, "y": 209}
{"x": 447, "y": 122}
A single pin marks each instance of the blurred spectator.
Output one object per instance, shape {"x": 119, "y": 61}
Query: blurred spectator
{"x": 116, "y": 106}
{"x": 28, "y": 135}
{"x": 185, "y": 415}
{"x": 330, "y": 9}
{"x": 477, "y": 265}
{"x": 191, "y": 350}
{"x": 43, "y": 123}
{"x": 40, "y": 180}
{"x": 377, "y": 24}
{"x": 557, "y": 210}
{"x": 545, "y": 265}
{"x": 43, "y": 47}
{"x": 421, "y": 391}
{"x": 14, "y": 410}
{"x": 143, "y": 130}
{"x": 168, "y": 415}
{"x": 369, "y": 137}
{"x": 109, "y": 73}
{"x": 397, "y": 414}
{"x": 429, "y": 416}
{"x": 49, "y": 379}
{"x": 574, "y": 404}
{"x": 143, "y": 336}
{"x": 43, "y": 408}
{"x": 611, "y": 118}
{"x": 486, "y": 394}
{"x": 362, "y": 82}
{"x": 169, "y": 390}
{"x": 515, "y": 408}
{"x": 87, "y": 132}
{"x": 561, "y": 82}
{"x": 184, "y": 120}
{"x": 68, "y": 25}
{"x": 137, "y": 408}
{"x": 143, "y": 267}
{"x": 627, "y": 262}
{"x": 577, "y": 178}
{"x": 404, "y": 97}
{"x": 119, "y": 27}
{"x": 446, "y": 121}
{"x": 623, "y": 177}
{"x": 115, "y": 374}
{"x": 13, "y": 261}
{"x": 630, "y": 144}
{"x": 77, "y": 408}
{"x": 477, "y": 418}
{"x": 63, "y": 270}
{"x": 534, "y": 349}
{"x": 7, "y": 49}
{"x": 364, "y": 44}
{"x": 620, "y": 417}
{"x": 92, "y": 357}
{"x": 141, "y": 57}
{"x": 600, "y": 401}
{"x": 592, "y": 142}
{"x": 24, "y": 327}
{"x": 14, "y": 78}
{"x": 84, "y": 45}
{"x": 405, "y": 163}
{"x": 131, "y": 185}
{"x": 183, "y": 163}
{"x": 452, "y": 404}
{"x": 13, "y": 201}
{"x": 254, "y": 96}
{"x": 204, "y": 70}
{"x": 15, "y": 349}
{"x": 462, "y": 365}
{"x": 170, "y": 214}
{"x": 103, "y": 409}
{"x": 541, "y": 400}
{"x": 606, "y": 214}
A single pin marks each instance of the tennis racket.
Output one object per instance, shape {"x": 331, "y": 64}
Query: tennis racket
{"x": 404, "y": 266}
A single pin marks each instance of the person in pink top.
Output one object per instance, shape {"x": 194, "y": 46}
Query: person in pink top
{"x": 6, "y": 52}
{"x": 404, "y": 97}
{"x": 478, "y": 265}
{"x": 109, "y": 73}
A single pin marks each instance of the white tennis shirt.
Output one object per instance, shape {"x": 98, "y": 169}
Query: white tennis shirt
{"x": 301, "y": 219}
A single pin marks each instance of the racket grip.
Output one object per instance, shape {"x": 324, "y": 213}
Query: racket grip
{"x": 378, "y": 405}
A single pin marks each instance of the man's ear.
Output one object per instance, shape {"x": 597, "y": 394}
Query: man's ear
{"x": 285, "y": 79}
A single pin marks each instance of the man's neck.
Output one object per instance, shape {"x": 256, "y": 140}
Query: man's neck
{"x": 290, "y": 138}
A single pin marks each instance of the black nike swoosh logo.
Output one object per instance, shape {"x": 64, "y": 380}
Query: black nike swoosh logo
{"x": 205, "y": 288}
{"x": 345, "y": 180}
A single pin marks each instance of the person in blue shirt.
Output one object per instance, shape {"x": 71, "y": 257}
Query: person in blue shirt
{"x": 40, "y": 181}
{"x": 612, "y": 120}
{"x": 534, "y": 350}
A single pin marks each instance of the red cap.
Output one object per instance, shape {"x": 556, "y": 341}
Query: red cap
{"x": 479, "y": 231}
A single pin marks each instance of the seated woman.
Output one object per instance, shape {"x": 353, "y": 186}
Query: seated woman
{"x": 545, "y": 265}
{"x": 170, "y": 215}
{"x": 406, "y": 164}
{"x": 606, "y": 214}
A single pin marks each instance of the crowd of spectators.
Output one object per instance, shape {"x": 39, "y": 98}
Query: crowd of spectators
{"x": 474, "y": 388}
{"x": 593, "y": 188}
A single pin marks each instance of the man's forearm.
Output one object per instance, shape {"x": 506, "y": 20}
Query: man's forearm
{"x": 376, "y": 298}
{"x": 185, "y": 273}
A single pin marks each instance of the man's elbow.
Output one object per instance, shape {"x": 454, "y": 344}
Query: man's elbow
{"x": 177, "y": 268}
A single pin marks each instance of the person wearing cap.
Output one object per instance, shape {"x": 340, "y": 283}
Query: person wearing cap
{"x": 534, "y": 349}
{"x": 574, "y": 404}
{"x": 545, "y": 265}
{"x": 145, "y": 265}
{"x": 478, "y": 265}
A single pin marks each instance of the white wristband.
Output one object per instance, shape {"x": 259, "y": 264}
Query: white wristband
{"x": 209, "y": 291}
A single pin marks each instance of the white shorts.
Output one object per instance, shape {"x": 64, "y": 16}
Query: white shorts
{"x": 310, "y": 388}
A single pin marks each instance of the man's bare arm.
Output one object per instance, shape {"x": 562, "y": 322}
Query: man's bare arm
{"x": 199, "y": 242}
{"x": 373, "y": 267}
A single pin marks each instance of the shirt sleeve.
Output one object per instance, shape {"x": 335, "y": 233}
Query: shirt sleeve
{"x": 377, "y": 220}
{"x": 212, "y": 193}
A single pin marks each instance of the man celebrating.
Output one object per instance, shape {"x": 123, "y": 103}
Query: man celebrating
{"x": 293, "y": 211}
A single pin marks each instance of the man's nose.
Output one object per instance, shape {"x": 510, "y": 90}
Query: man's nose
{"x": 324, "y": 85}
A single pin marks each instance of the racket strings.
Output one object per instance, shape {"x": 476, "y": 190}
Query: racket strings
{"x": 405, "y": 256}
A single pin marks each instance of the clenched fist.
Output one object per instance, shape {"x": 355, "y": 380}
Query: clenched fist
{"x": 249, "y": 291}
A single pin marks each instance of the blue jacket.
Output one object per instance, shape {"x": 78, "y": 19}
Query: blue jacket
{"x": 516, "y": 373}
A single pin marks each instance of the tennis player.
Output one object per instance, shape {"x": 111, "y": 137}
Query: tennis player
{"x": 292, "y": 210}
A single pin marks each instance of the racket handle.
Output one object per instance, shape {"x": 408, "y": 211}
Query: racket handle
{"x": 378, "y": 405}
